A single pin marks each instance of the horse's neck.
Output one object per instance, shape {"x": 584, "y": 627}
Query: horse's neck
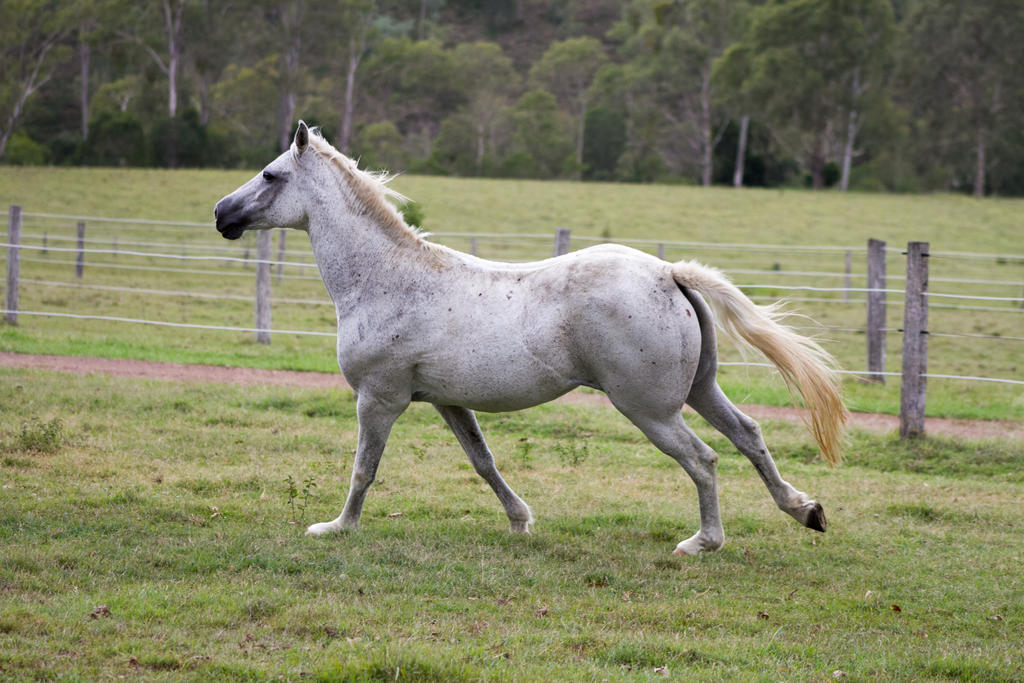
{"x": 357, "y": 258}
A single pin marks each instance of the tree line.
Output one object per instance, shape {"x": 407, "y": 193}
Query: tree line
{"x": 881, "y": 95}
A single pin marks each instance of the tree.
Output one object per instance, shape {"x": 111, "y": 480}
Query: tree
{"x": 290, "y": 17}
{"x": 567, "y": 68}
{"x": 86, "y": 29}
{"x": 159, "y": 29}
{"x": 418, "y": 84}
{"x": 671, "y": 47}
{"x": 239, "y": 99}
{"x": 695, "y": 34}
{"x": 811, "y": 63}
{"x": 357, "y": 23}
{"x": 489, "y": 79}
{"x": 207, "y": 56}
{"x": 31, "y": 32}
{"x": 962, "y": 74}
{"x": 541, "y": 137}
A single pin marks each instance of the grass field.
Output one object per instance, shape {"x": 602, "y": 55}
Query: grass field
{"x": 147, "y": 531}
{"x": 624, "y": 212}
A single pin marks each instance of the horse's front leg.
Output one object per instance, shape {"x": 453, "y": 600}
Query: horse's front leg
{"x": 376, "y": 418}
{"x": 467, "y": 430}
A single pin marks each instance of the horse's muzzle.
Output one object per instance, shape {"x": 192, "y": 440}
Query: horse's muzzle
{"x": 229, "y": 219}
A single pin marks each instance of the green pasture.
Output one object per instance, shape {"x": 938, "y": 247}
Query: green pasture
{"x": 153, "y": 531}
{"x": 218, "y": 292}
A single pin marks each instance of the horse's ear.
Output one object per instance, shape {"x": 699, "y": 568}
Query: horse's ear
{"x": 301, "y": 137}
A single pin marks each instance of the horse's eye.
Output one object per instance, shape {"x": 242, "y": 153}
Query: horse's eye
{"x": 269, "y": 177}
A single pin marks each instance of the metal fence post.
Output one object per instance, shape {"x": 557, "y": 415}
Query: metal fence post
{"x": 263, "y": 247}
{"x": 915, "y": 342}
{"x": 13, "y": 263}
{"x": 876, "y": 311}
{"x": 661, "y": 251}
{"x": 562, "y": 236}
{"x": 80, "y": 260}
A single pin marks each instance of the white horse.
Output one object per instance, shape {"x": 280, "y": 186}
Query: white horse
{"x": 418, "y": 321}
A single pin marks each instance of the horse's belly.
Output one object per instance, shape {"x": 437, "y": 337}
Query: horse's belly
{"x": 491, "y": 384}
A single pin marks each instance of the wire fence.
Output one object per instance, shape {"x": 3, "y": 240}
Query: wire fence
{"x": 980, "y": 284}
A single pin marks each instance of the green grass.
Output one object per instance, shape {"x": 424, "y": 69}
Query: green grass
{"x": 155, "y": 538}
{"x": 624, "y": 212}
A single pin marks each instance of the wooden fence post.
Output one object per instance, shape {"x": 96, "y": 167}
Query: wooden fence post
{"x": 915, "y": 342}
{"x": 661, "y": 251}
{"x": 13, "y": 263}
{"x": 562, "y": 236}
{"x": 263, "y": 246}
{"x": 80, "y": 260}
{"x": 876, "y": 311}
{"x": 280, "y": 255}
{"x": 472, "y": 246}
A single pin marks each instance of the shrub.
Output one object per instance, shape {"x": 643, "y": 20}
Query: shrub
{"x": 379, "y": 145}
{"x": 65, "y": 148}
{"x": 24, "y": 151}
{"x": 603, "y": 144}
{"x": 179, "y": 141}
{"x": 115, "y": 139}
{"x": 412, "y": 212}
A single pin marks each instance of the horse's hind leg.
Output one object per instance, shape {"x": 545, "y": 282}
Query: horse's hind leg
{"x": 714, "y": 406}
{"x": 675, "y": 438}
{"x": 463, "y": 423}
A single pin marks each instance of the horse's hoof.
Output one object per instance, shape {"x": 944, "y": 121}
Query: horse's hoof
{"x": 322, "y": 528}
{"x": 816, "y": 518}
{"x": 698, "y": 544}
{"x": 521, "y": 527}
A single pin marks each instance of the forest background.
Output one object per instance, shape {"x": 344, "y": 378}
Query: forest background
{"x": 875, "y": 95}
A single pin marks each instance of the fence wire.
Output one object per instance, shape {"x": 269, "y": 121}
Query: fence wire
{"x": 223, "y": 257}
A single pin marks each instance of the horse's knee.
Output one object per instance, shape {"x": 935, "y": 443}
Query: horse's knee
{"x": 362, "y": 478}
{"x": 706, "y": 460}
{"x": 483, "y": 465}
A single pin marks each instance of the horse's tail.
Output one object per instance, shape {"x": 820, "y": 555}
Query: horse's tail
{"x": 806, "y": 367}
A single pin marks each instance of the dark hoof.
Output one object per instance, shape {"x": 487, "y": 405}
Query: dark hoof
{"x": 816, "y": 518}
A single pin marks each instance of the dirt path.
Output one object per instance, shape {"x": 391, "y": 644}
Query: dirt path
{"x": 177, "y": 372}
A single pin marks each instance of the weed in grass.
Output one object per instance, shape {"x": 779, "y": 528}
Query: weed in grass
{"x": 41, "y": 437}
{"x": 298, "y": 500}
{"x": 522, "y": 453}
{"x": 572, "y": 454}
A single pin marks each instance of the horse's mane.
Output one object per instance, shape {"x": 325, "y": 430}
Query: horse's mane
{"x": 370, "y": 189}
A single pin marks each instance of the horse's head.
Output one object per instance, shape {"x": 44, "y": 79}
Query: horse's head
{"x": 275, "y": 198}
